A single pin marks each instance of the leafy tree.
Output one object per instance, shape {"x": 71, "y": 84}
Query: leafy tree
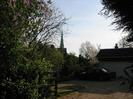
{"x": 121, "y": 10}
{"x": 88, "y": 51}
{"x": 51, "y": 54}
{"x": 123, "y": 43}
{"x": 84, "y": 63}
{"x": 70, "y": 67}
{"x": 24, "y": 73}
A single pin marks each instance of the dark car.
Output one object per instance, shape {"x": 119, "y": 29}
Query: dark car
{"x": 100, "y": 74}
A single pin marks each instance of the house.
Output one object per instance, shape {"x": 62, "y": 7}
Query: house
{"x": 116, "y": 59}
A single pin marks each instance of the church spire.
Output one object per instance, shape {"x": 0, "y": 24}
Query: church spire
{"x": 62, "y": 41}
{"x": 62, "y": 49}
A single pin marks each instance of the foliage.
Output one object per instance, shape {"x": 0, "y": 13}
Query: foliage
{"x": 123, "y": 43}
{"x": 32, "y": 20}
{"x": 27, "y": 81}
{"x": 70, "y": 67}
{"x": 84, "y": 63}
{"x": 73, "y": 66}
{"x": 88, "y": 51}
{"x": 24, "y": 73}
{"x": 121, "y": 10}
{"x": 51, "y": 54}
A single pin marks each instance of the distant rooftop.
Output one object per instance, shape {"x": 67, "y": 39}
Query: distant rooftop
{"x": 116, "y": 54}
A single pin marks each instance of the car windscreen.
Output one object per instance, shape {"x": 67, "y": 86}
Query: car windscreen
{"x": 104, "y": 70}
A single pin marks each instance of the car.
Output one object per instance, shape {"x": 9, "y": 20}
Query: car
{"x": 98, "y": 74}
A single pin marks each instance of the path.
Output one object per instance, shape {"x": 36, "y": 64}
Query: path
{"x": 94, "y": 90}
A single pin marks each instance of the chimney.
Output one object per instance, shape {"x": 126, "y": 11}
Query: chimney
{"x": 116, "y": 46}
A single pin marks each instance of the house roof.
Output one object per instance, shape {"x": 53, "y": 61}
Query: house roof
{"x": 116, "y": 54}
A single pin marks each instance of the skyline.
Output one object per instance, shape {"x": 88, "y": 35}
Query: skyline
{"x": 85, "y": 24}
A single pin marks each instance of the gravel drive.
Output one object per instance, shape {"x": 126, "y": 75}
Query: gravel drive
{"x": 94, "y": 90}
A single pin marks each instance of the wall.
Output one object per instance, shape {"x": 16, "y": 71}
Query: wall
{"x": 116, "y": 67}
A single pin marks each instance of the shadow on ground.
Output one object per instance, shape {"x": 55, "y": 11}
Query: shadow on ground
{"x": 97, "y": 87}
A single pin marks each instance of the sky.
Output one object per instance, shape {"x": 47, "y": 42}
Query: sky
{"x": 85, "y": 24}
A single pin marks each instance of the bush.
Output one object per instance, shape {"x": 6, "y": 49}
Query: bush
{"x": 30, "y": 81}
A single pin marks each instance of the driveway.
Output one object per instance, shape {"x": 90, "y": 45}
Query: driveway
{"x": 93, "y": 90}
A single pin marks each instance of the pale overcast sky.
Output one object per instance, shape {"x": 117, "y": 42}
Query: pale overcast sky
{"x": 85, "y": 24}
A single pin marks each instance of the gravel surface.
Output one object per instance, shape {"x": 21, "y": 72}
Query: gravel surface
{"x": 94, "y": 90}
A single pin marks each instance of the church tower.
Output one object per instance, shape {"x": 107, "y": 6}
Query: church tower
{"x": 62, "y": 49}
{"x": 62, "y": 41}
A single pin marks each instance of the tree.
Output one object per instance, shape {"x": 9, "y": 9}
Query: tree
{"x": 36, "y": 20}
{"x": 50, "y": 25}
{"x": 23, "y": 73}
{"x": 70, "y": 67}
{"x": 121, "y": 10}
{"x": 123, "y": 43}
{"x": 51, "y": 54}
{"x": 88, "y": 51}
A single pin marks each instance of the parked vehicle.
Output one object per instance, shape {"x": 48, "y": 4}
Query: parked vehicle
{"x": 100, "y": 74}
